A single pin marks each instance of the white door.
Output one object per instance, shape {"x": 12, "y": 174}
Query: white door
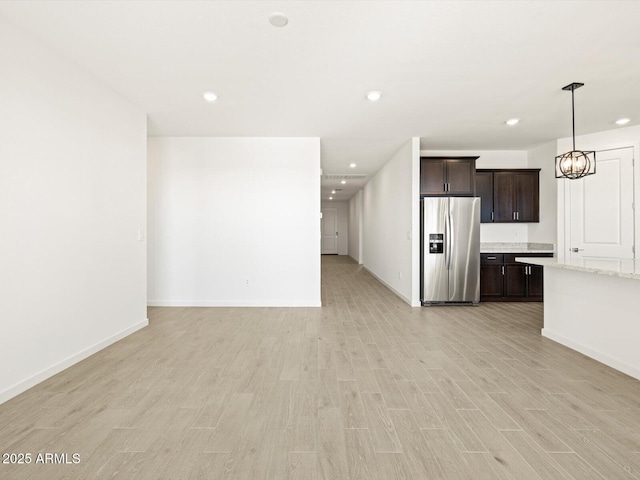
{"x": 329, "y": 230}
{"x": 601, "y": 211}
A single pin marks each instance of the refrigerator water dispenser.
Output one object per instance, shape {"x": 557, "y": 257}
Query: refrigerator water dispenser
{"x": 436, "y": 243}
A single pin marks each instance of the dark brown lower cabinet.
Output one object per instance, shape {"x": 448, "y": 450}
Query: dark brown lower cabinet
{"x": 515, "y": 280}
{"x": 491, "y": 281}
{"x": 502, "y": 279}
{"x": 535, "y": 281}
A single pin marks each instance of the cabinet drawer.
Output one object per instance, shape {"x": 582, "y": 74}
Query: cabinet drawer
{"x": 511, "y": 257}
{"x": 491, "y": 258}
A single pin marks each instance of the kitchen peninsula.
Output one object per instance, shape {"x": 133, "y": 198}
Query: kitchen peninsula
{"x": 593, "y": 309}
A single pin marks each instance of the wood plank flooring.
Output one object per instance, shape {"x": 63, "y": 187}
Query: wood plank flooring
{"x": 363, "y": 388}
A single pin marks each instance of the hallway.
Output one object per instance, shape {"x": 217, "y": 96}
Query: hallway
{"x": 365, "y": 387}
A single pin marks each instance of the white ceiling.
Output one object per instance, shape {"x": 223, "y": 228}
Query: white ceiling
{"x": 450, "y": 72}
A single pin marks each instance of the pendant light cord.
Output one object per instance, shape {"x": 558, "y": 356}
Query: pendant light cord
{"x": 573, "y": 120}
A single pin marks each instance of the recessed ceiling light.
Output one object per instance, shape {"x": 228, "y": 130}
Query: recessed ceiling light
{"x": 333, "y": 191}
{"x": 623, "y": 121}
{"x": 512, "y": 121}
{"x": 210, "y": 96}
{"x": 343, "y": 182}
{"x": 352, "y": 165}
{"x": 374, "y": 96}
{"x": 278, "y": 19}
{"x": 330, "y": 198}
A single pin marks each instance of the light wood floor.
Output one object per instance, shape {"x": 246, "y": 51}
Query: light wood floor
{"x": 362, "y": 388}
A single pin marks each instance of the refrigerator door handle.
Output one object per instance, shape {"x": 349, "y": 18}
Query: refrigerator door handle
{"x": 449, "y": 240}
{"x": 446, "y": 242}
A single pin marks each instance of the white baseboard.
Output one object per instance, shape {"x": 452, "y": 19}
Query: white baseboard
{"x": 41, "y": 376}
{"x": 276, "y": 303}
{"x": 355, "y": 259}
{"x": 402, "y": 297}
{"x": 592, "y": 353}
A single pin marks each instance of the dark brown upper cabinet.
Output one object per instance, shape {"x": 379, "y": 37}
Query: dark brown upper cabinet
{"x": 448, "y": 176}
{"x": 509, "y": 195}
{"x": 484, "y": 190}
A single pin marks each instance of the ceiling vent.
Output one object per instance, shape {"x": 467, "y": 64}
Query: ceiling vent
{"x": 345, "y": 176}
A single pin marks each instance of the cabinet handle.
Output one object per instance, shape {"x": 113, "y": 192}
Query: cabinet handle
{"x": 517, "y": 215}
{"x": 526, "y": 270}
{"x": 513, "y": 215}
{"x": 491, "y": 258}
{"x": 502, "y": 269}
{"x": 492, "y": 216}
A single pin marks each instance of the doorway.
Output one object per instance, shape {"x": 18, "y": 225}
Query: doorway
{"x": 329, "y": 231}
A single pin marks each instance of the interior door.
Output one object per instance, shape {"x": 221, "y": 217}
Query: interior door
{"x": 329, "y": 227}
{"x": 601, "y": 211}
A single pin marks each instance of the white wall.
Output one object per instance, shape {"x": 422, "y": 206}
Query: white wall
{"x": 355, "y": 227}
{"x": 343, "y": 224}
{"x": 390, "y": 211}
{"x": 72, "y": 199}
{"x": 543, "y": 157}
{"x": 609, "y": 139}
{"x": 234, "y": 221}
{"x": 493, "y": 232}
{"x": 597, "y": 316}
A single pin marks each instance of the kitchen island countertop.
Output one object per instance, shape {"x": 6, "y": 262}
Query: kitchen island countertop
{"x": 624, "y": 268}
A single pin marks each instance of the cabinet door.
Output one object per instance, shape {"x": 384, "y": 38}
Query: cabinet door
{"x": 515, "y": 281}
{"x": 535, "y": 287}
{"x": 503, "y": 195}
{"x": 460, "y": 176}
{"x": 527, "y": 197}
{"x": 432, "y": 177}
{"x": 491, "y": 281}
{"x": 484, "y": 190}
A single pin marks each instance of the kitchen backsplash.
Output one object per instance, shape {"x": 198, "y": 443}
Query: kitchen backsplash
{"x": 516, "y": 247}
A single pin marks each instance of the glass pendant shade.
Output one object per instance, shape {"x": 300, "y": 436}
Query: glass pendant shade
{"x": 575, "y": 164}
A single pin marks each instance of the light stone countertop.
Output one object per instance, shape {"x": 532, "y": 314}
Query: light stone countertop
{"x": 516, "y": 247}
{"x": 624, "y": 268}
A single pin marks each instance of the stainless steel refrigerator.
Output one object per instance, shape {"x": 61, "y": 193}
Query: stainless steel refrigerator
{"x": 450, "y": 250}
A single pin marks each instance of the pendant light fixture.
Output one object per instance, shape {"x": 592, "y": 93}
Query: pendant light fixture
{"x": 576, "y": 163}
